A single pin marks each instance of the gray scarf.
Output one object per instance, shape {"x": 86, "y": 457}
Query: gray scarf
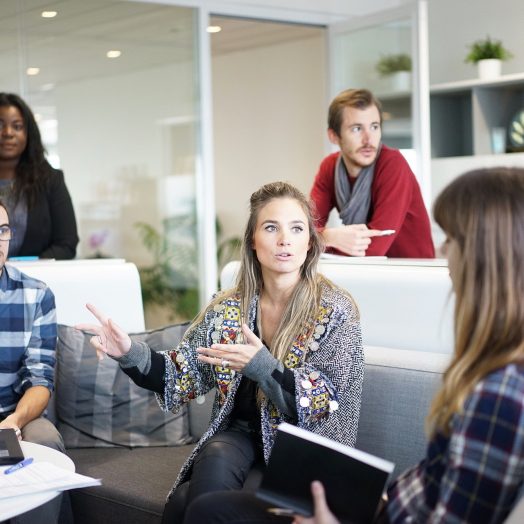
{"x": 354, "y": 203}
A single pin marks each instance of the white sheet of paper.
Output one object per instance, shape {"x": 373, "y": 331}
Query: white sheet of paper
{"x": 41, "y": 476}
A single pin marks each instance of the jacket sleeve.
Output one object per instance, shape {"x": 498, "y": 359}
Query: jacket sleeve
{"x": 185, "y": 377}
{"x": 322, "y": 193}
{"x": 328, "y": 386}
{"x": 391, "y": 200}
{"x": 64, "y": 235}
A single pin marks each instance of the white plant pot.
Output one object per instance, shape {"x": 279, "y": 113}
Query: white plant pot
{"x": 489, "y": 68}
{"x": 401, "y": 81}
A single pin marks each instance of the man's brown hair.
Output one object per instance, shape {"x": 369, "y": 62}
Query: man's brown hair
{"x": 357, "y": 98}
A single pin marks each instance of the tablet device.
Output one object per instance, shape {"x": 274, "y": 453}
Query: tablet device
{"x": 10, "y": 449}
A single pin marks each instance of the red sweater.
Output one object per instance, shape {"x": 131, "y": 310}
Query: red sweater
{"x": 396, "y": 203}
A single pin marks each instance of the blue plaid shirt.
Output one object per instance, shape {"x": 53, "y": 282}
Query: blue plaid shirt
{"x": 474, "y": 475}
{"x": 27, "y": 337}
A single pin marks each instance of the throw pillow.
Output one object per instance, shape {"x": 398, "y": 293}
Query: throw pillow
{"x": 98, "y": 405}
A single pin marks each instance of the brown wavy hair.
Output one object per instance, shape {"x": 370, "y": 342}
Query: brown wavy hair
{"x": 356, "y": 98}
{"x": 483, "y": 211}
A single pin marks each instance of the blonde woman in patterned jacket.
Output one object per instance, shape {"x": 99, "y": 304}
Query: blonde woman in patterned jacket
{"x": 283, "y": 345}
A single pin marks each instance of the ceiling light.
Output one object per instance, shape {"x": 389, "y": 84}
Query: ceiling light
{"x": 214, "y": 29}
{"x": 32, "y": 71}
{"x": 47, "y": 87}
{"x": 49, "y": 14}
{"x": 113, "y": 53}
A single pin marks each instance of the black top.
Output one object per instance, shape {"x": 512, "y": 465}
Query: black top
{"x": 51, "y": 224}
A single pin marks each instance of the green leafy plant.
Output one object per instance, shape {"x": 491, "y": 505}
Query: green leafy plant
{"x": 485, "y": 49}
{"x": 228, "y": 248}
{"x": 171, "y": 281}
{"x": 390, "y": 64}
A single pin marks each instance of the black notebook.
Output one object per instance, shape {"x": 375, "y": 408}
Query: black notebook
{"x": 10, "y": 450}
{"x": 354, "y": 480}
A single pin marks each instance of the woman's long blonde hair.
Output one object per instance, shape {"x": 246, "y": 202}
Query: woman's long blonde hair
{"x": 305, "y": 299}
{"x": 483, "y": 211}
{"x": 304, "y": 302}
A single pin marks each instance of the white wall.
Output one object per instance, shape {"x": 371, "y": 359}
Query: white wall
{"x": 454, "y": 24}
{"x": 116, "y": 151}
{"x": 269, "y": 122}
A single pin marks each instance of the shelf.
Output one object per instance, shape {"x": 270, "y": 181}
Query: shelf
{"x": 466, "y": 115}
{"x": 463, "y": 85}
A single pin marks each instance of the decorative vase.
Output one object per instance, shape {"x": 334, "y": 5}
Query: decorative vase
{"x": 489, "y": 68}
{"x": 401, "y": 81}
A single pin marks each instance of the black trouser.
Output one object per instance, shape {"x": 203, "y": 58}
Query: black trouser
{"x": 231, "y": 507}
{"x": 223, "y": 463}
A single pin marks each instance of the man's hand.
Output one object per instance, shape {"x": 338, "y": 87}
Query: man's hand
{"x": 11, "y": 424}
{"x": 353, "y": 239}
{"x": 322, "y": 514}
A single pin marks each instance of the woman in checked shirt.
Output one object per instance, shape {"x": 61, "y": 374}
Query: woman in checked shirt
{"x": 474, "y": 466}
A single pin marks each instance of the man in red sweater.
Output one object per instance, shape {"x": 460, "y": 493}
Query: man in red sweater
{"x": 370, "y": 184}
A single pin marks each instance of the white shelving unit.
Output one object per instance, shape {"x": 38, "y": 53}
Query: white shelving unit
{"x": 464, "y": 114}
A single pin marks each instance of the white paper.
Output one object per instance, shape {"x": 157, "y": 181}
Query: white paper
{"x": 41, "y": 476}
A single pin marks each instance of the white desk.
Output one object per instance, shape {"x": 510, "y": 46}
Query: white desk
{"x": 111, "y": 284}
{"x": 403, "y": 303}
{"x": 17, "y": 505}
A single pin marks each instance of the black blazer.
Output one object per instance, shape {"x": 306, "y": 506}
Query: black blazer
{"x": 51, "y": 225}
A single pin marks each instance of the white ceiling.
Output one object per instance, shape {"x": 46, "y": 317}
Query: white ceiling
{"x": 73, "y": 45}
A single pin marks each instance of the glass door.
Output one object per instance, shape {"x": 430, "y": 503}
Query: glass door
{"x": 116, "y": 90}
{"x": 387, "y": 53}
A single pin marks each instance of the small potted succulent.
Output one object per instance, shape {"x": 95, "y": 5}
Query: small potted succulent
{"x": 398, "y": 67}
{"x": 488, "y": 54}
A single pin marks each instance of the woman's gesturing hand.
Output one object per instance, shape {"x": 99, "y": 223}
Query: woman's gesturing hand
{"x": 232, "y": 356}
{"x": 109, "y": 338}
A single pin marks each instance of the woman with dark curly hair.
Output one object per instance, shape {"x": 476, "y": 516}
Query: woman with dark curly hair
{"x": 35, "y": 193}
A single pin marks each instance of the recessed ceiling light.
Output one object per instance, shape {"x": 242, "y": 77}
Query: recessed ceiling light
{"x": 214, "y": 29}
{"x": 32, "y": 71}
{"x": 47, "y": 87}
{"x": 49, "y": 14}
{"x": 113, "y": 53}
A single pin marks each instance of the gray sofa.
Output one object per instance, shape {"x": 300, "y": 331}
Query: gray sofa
{"x": 398, "y": 387}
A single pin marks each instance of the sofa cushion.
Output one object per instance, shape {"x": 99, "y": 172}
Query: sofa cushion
{"x": 135, "y": 483}
{"x": 398, "y": 388}
{"x": 98, "y": 405}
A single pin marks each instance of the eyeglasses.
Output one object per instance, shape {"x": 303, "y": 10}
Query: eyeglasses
{"x": 6, "y": 232}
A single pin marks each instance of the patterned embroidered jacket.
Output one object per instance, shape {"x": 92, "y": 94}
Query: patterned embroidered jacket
{"x": 328, "y": 374}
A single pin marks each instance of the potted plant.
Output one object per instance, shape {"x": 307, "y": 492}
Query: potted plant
{"x": 398, "y": 67}
{"x": 488, "y": 54}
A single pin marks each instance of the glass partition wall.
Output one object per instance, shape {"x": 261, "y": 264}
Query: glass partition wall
{"x": 387, "y": 53}
{"x": 114, "y": 86}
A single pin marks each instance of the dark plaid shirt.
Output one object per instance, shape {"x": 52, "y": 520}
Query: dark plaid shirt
{"x": 475, "y": 474}
{"x": 27, "y": 336}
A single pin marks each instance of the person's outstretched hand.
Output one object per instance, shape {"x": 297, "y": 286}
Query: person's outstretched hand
{"x": 109, "y": 338}
{"x": 322, "y": 514}
{"x": 233, "y": 356}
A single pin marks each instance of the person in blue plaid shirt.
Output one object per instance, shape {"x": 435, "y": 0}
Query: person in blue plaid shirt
{"x": 474, "y": 468}
{"x": 27, "y": 359}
